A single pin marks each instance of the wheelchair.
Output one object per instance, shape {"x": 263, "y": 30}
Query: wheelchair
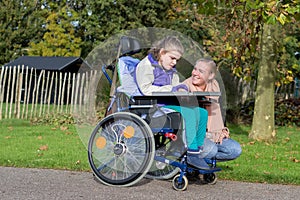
{"x": 137, "y": 139}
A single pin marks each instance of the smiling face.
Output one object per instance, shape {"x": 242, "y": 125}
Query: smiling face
{"x": 201, "y": 74}
{"x": 168, "y": 59}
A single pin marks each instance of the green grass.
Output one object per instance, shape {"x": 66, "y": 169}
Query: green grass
{"x": 32, "y": 110}
{"x": 41, "y": 146}
{"x": 59, "y": 147}
{"x": 277, "y": 162}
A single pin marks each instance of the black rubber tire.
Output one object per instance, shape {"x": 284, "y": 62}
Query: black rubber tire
{"x": 118, "y": 159}
{"x": 180, "y": 186}
{"x": 210, "y": 178}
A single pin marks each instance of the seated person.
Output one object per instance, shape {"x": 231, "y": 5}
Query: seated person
{"x": 157, "y": 73}
{"x": 203, "y": 79}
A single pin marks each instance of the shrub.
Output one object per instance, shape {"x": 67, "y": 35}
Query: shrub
{"x": 286, "y": 113}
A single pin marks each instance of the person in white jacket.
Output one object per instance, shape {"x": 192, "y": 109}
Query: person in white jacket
{"x": 157, "y": 73}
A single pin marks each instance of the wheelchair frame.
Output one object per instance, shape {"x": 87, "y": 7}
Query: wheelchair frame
{"x": 128, "y": 145}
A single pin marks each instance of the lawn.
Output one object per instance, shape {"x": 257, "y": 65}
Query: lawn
{"x": 41, "y": 146}
{"x": 277, "y": 162}
{"x": 60, "y": 147}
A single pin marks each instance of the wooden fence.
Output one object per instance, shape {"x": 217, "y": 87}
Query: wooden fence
{"x": 27, "y": 93}
{"x": 246, "y": 90}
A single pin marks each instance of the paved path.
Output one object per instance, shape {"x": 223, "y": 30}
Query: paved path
{"x": 22, "y": 183}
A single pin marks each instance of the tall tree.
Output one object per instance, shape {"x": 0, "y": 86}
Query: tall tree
{"x": 101, "y": 19}
{"x": 263, "y": 126}
{"x": 236, "y": 28}
{"x": 21, "y": 22}
{"x": 59, "y": 38}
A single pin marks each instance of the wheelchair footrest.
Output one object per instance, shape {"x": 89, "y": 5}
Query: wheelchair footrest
{"x": 209, "y": 171}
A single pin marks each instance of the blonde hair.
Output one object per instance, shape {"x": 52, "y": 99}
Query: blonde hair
{"x": 210, "y": 63}
{"x": 169, "y": 43}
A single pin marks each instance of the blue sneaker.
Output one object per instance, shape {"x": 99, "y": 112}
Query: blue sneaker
{"x": 194, "y": 159}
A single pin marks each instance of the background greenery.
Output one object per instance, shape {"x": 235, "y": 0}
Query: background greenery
{"x": 228, "y": 30}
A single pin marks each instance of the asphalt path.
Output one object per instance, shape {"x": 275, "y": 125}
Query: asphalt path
{"x": 47, "y": 184}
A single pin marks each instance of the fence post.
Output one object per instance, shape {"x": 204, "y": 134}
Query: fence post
{"x": 296, "y": 88}
{"x": 68, "y": 92}
{"x": 2, "y": 87}
{"x": 25, "y": 93}
{"x": 63, "y": 92}
{"x": 19, "y": 93}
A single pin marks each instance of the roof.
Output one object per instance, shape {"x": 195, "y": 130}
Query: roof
{"x": 47, "y": 63}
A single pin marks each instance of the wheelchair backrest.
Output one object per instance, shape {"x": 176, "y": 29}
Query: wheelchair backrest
{"x": 126, "y": 71}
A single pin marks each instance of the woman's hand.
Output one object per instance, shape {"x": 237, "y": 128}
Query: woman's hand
{"x": 218, "y": 137}
{"x": 222, "y": 135}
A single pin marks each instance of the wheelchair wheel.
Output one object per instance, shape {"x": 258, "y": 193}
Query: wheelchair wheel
{"x": 121, "y": 149}
{"x": 161, "y": 170}
{"x": 210, "y": 178}
{"x": 169, "y": 150}
{"x": 180, "y": 185}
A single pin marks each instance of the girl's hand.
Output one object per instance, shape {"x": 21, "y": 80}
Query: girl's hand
{"x": 179, "y": 87}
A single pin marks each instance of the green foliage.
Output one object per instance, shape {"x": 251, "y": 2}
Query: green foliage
{"x": 20, "y": 24}
{"x": 234, "y": 29}
{"x": 101, "y": 19}
{"x": 228, "y": 30}
{"x": 59, "y": 38}
{"x": 287, "y": 112}
{"x": 183, "y": 17}
{"x": 288, "y": 66}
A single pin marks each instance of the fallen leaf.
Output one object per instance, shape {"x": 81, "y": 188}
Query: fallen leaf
{"x": 63, "y": 128}
{"x": 43, "y": 148}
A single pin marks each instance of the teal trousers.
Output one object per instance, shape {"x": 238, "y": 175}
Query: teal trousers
{"x": 195, "y": 119}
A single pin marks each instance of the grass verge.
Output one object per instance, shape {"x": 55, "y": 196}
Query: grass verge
{"x": 277, "y": 162}
{"x": 59, "y": 147}
{"x": 41, "y": 146}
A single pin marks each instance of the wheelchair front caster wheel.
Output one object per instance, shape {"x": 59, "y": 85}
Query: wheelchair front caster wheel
{"x": 180, "y": 185}
{"x": 210, "y": 178}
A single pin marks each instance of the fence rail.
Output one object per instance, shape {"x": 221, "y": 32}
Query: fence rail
{"x": 246, "y": 90}
{"x": 27, "y": 93}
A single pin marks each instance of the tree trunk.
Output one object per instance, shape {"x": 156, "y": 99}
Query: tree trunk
{"x": 263, "y": 126}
